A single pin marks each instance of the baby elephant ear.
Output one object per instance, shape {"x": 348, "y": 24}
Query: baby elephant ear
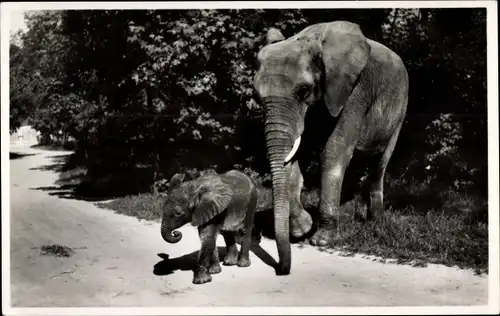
{"x": 175, "y": 181}
{"x": 214, "y": 198}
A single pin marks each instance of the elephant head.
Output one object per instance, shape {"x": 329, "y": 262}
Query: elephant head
{"x": 196, "y": 201}
{"x": 319, "y": 65}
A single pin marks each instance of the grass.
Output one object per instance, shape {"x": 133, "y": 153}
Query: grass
{"x": 409, "y": 237}
{"x": 72, "y": 177}
{"x": 141, "y": 206}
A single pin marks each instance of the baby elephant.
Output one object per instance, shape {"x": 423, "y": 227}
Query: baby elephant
{"x": 224, "y": 203}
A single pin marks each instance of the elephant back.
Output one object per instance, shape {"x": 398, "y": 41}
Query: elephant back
{"x": 240, "y": 183}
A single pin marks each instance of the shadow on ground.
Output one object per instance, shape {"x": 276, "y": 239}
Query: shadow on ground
{"x": 59, "y": 164}
{"x": 71, "y": 192}
{"x": 75, "y": 182}
{"x": 67, "y": 147}
{"x": 14, "y": 155}
{"x": 188, "y": 262}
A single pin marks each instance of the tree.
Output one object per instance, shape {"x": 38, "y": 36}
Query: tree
{"x": 37, "y": 74}
{"x": 171, "y": 90}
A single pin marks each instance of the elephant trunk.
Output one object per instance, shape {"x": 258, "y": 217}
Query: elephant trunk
{"x": 169, "y": 235}
{"x": 281, "y": 132}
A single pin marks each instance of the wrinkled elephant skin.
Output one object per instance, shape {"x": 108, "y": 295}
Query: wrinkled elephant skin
{"x": 215, "y": 204}
{"x": 362, "y": 83}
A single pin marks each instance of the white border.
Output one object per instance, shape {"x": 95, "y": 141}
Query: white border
{"x": 493, "y": 157}
{"x": 4, "y": 57}
{"x": 245, "y": 4}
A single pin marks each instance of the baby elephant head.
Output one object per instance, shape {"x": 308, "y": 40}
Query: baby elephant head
{"x": 196, "y": 201}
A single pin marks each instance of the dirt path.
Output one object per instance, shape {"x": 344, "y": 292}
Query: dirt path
{"x": 116, "y": 263}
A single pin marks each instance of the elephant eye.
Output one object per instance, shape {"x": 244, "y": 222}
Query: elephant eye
{"x": 177, "y": 213}
{"x": 303, "y": 92}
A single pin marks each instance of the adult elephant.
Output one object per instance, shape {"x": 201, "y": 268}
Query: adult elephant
{"x": 362, "y": 83}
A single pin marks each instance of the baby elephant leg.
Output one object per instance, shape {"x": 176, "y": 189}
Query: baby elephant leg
{"x": 246, "y": 240}
{"x": 207, "y": 236}
{"x": 244, "y": 255}
{"x": 214, "y": 263}
{"x": 231, "y": 257}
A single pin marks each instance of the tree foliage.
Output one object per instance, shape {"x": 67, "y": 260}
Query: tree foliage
{"x": 172, "y": 89}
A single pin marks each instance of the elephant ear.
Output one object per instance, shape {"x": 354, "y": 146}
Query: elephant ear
{"x": 344, "y": 52}
{"x": 175, "y": 181}
{"x": 214, "y": 197}
{"x": 274, "y": 35}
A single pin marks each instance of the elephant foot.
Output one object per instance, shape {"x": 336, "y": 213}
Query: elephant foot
{"x": 324, "y": 236}
{"x": 214, "y": 268}
{"x": 376, "y": 205}
{"x": 282, "y": 269}
{"x": 244, "y": 262}
{"x": 300, "y": 224}
{"x": 201, "y": 276}
{"x": 231, "y": 259}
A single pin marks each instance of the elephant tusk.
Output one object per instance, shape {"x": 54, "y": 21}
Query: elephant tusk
{"x": 294, "y": 150}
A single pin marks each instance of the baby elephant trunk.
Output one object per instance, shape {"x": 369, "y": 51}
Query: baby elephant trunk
{"x": 169, "y": 235}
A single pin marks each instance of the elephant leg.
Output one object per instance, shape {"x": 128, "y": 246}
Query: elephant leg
{"x": 207, "y": 236}
{"x": 214, "y": 263}
{"x": 246, "y": 239}
{"x": 231, "y": 257}
{"x": 335, "y": 158}
{"x": 300, "y": 220}
{"x": 376, "y": 177}
{"x": 244, "y": 255}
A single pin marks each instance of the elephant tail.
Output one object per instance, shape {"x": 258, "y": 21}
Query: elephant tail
{"x": 264, "y": 198}
{"x": 309, "y": 198}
